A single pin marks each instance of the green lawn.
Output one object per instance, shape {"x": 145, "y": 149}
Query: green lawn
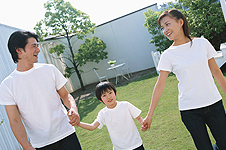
{"x": 167, "y": 130}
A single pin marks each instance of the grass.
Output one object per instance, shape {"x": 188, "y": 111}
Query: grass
{"x": 167, "y": 130}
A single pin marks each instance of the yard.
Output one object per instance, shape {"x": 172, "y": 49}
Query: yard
{"x": 167, "y": 130}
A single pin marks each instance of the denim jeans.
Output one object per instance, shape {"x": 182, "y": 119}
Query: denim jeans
{"x": 213, "y": 116}
{"x": 68, "y": 143}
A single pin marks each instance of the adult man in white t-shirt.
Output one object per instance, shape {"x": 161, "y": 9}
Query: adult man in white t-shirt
{"x": 32, "y": 93}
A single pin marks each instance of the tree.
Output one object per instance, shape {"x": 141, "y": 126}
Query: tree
{"x": 151, "y": 23}
{"x": 62, "y": 19}
{"x": 205, "y": 18}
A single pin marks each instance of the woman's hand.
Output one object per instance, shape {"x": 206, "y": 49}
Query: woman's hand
{"x": 146, "y": 123}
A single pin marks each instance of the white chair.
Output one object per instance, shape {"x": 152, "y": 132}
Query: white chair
{"x": 125, "y": 68}
{"x": 100, "y": 78}
{"x": 156, "y": 57}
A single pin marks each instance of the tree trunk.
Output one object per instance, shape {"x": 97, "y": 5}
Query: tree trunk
{"x": 74, "y": 63}
{"x": 79, "y": 77}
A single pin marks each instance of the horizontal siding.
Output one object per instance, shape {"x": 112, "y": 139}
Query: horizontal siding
{"x": 7, "y": 139}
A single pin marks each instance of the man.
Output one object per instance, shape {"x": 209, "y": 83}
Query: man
{"x": 32, "y": 93}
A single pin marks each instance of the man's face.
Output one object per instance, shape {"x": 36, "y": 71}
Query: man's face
{"x": 31, "y": 51}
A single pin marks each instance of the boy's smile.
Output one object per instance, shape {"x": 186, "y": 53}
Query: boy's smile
{"x": 109, "y": 98}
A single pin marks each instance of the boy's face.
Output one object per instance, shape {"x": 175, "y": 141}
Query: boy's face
{"x": 109, "y": 98}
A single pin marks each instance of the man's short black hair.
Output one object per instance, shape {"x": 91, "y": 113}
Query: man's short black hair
{"x": 18, "y": 39}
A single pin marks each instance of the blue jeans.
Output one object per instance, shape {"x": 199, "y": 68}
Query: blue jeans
{"x": 68, "y": 143}
{"x": 213, "y": 116}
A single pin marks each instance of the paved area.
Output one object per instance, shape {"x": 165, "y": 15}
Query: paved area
{"x": 89, "y": 89}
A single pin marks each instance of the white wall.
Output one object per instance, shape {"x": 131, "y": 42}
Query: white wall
{"x": 125, "y": 37}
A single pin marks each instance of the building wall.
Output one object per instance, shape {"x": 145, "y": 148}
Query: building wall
{"x": 125, "y": 37}
{"x": 7, "y": 139}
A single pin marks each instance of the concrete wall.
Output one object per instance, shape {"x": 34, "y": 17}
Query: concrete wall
{"x": 125, "y": 37}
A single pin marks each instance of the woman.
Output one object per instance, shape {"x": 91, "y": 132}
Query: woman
{"x": 192, "y": 61}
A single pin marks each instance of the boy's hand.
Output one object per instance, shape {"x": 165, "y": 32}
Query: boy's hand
{"x": 146, "y": 123}
{"x": 144, "y": 128}
{"x": 73, "y": 117}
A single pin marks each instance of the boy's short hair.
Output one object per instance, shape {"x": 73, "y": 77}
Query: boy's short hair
{"x": 103, "y": 87}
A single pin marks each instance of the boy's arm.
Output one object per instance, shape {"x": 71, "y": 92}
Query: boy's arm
{"x": 88, "y": 126}
{"x": 140, "y": 120}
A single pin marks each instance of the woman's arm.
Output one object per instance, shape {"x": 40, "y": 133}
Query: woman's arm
{"x": 158, "y": 90}
{"x": 88, "y": 126}
{"x": 217, "y": 74}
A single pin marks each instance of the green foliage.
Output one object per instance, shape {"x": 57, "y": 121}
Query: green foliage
{"x": 62, "y": 19}
{"x": 205, "y": 18}
{"x": 111, "y": 62}
{"x": 58, "y": 49}
{"x": 151, "y": 23}
{"x": 69, "y": 71}
{"x": 2, "y": 121}
{"x": 91, "y": 51}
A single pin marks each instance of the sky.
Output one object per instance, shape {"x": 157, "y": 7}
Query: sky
{"x": 24, "y": 14}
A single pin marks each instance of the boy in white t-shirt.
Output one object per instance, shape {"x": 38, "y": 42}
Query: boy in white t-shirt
{"x": 118, "y": 118}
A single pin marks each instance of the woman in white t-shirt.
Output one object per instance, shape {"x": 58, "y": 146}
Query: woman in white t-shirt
{"x": 192, "y": 61}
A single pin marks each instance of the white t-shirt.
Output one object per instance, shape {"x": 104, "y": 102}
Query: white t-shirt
{"x": 121, "y": 127}
{"x": 190, "y": 65}
{"x": 34, "y": 93}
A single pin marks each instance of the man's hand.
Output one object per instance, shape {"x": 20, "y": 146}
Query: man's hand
{"x": 73, "y": 117}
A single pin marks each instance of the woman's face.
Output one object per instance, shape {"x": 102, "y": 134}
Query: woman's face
{"x": 172, "y": 28}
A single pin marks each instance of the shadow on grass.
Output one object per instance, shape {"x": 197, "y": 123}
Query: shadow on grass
{"x": 86, "y": 106}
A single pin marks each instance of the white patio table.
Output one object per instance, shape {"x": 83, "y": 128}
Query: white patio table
{"x": 117, "y": 74}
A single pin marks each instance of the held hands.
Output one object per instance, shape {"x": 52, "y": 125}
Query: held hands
{"x": 73, "y": 117}
{"x": 146, "y": 123}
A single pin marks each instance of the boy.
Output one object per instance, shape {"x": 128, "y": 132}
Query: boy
{"x": 117, "y": 116}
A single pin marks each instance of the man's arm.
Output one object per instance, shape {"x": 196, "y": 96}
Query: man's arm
{"x": 69, "y": 102}
{"x": 88, "y": 126}
{"x": 17, "y": 126}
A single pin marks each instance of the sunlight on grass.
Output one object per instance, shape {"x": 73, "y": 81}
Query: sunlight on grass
{"x": 167, "y": 130}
